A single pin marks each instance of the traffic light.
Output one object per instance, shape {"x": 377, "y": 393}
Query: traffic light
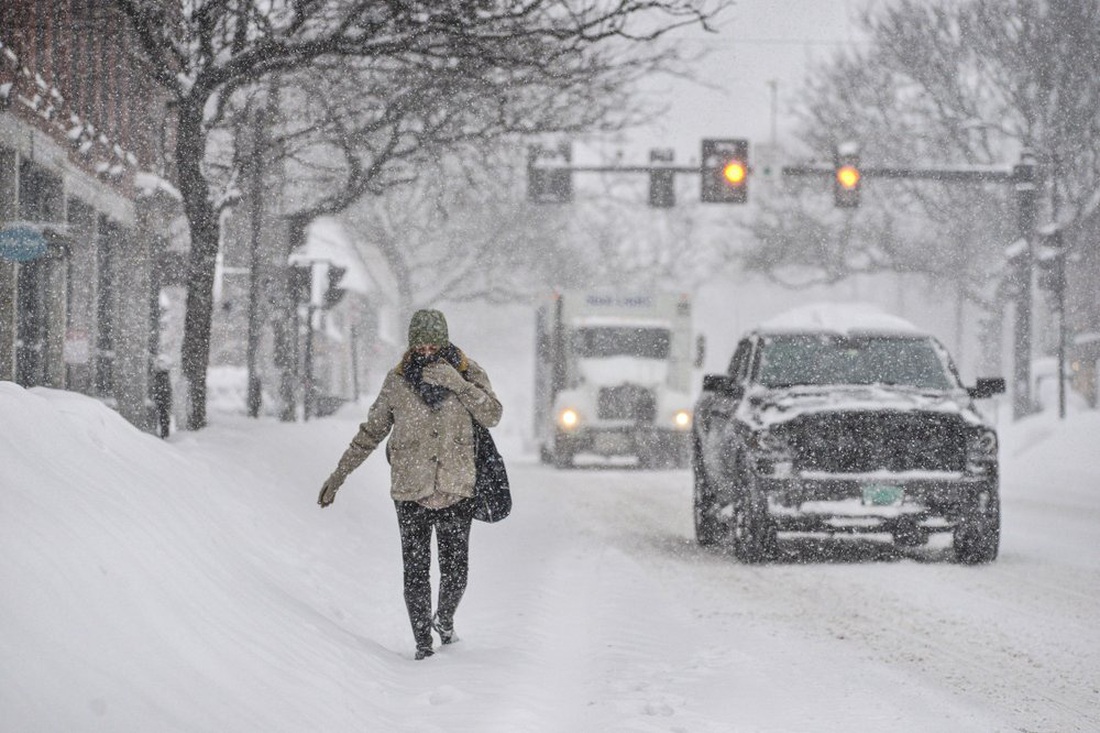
{"x": 1051, "y": 261}
{"x": 298, "y": 281}
{"x": 725, "y": 171}
{"x": 334, "y": 293}
{"x": 662, "y": 182}
{"x": 549, "y": 178}
{"x": 846, "y": 181}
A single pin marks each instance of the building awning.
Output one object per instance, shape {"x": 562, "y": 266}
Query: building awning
{"x": 25, "y": 241}
{"x": 1086, "y": 345}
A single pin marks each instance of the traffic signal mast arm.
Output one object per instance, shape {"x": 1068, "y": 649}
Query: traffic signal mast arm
{"x": 635, "y": 168}
{"x": 992, "y": 174}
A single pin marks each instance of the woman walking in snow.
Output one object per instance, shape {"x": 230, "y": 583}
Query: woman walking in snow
{"x": 429, "y": 402}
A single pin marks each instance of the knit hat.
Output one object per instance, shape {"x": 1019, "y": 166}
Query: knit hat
{"x": 428, "y": 328}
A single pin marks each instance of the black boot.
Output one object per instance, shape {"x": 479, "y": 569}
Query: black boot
{"x": 446, "y": 630}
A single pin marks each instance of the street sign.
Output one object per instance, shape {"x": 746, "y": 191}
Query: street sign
{"x": 22, "y": 242}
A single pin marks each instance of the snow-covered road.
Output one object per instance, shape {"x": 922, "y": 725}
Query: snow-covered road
{"x": 849, "y": 634}
{"x": 194, "y": 585}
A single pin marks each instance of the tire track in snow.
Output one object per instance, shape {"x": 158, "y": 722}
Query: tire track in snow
{"x": 979, "y": 634}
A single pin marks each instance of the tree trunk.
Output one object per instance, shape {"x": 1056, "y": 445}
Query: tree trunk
{"x": 190, "y": 147}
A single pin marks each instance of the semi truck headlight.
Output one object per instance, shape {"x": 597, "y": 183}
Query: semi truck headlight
{"x": 569, "y": 418}
{"x": 682, "y": 418}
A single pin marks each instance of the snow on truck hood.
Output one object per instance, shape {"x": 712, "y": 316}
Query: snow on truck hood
{"x": 778, "y": 406}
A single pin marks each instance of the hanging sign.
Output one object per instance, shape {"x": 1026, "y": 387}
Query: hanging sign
{"x": 22, "y": 242}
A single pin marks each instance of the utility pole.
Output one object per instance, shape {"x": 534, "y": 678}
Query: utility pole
{"x": 773, "y": 84}
{"x": 307, "y": 366}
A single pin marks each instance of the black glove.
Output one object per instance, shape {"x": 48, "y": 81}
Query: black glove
{"x": 328, "y": 492}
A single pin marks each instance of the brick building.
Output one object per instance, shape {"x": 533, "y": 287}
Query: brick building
{"x": 88, "y": 213}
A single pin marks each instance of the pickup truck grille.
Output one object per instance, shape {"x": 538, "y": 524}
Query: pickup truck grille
{"x": 859, "y": 442}
{"x": 626, "y": 402}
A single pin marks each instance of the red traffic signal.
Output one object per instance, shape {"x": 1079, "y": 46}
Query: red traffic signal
{"x": 725, "y": 171}
{"x": 846, "y": 181}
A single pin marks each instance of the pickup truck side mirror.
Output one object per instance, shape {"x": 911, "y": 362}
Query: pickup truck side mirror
{"x": 722, "y": 384}
{"x": 987, "y": 387}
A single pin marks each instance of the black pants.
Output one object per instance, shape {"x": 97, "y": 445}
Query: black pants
{"x": 452, "y": 534}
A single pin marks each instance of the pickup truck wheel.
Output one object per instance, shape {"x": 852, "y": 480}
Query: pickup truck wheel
{"x": 707, "y": 525}
{"x": 977, "y": 536}
{"x": 754, "y": 538}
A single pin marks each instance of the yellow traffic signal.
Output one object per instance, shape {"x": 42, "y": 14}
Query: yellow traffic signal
{"x": 846, "y": 180}
{"x": 734, "y": 172}
{"x": 725, "y": 171}
{"x": 847, "y": 176}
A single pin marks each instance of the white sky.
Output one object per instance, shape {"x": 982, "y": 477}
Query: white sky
{"x": 758, "y": 41}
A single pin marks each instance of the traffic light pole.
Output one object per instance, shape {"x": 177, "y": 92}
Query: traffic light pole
{"x": 1026, "y": 201}
{"x": 1050, "y": 258}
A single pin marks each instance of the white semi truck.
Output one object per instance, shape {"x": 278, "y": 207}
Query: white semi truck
{"x": 613, "y": 377}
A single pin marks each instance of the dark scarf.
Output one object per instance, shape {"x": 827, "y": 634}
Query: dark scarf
{"x": 412, "y": 369}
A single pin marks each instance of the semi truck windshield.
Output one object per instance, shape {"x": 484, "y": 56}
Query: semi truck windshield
{"x": 606, "y": 341}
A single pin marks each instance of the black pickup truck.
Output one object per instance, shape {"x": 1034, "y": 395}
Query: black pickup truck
{"x": 840, "y": 421}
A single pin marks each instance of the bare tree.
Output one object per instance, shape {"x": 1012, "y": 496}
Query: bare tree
{"x": 630, "y": 244}
{"x": 208, "y": 49}
{"x": 945, "y": 82}
{"x": 463, "y": 231}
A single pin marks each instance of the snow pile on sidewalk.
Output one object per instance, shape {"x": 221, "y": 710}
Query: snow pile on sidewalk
{"x": 160, "y": 586}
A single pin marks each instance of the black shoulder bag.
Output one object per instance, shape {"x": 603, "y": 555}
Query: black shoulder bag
{"x": 492, "y": 497}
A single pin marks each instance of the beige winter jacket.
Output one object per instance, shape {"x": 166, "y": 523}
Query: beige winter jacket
{"x": 429, "y": 448}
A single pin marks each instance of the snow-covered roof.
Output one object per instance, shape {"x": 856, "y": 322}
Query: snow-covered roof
{"x": 149, "y": 183}
{"x": 840, "y": 318}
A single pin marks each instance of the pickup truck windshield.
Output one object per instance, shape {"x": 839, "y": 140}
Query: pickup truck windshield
{"x": 827, "y": 359}
{"x": 606, "y": 341}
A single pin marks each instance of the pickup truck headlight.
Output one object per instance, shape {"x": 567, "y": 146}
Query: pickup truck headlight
{"x": 772, "y": 455}
{"x": 981, "y": 451}
{"x": 982, "y": 444}
{"x": 682, "y": 419}
{"x": 768, "y": 442}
